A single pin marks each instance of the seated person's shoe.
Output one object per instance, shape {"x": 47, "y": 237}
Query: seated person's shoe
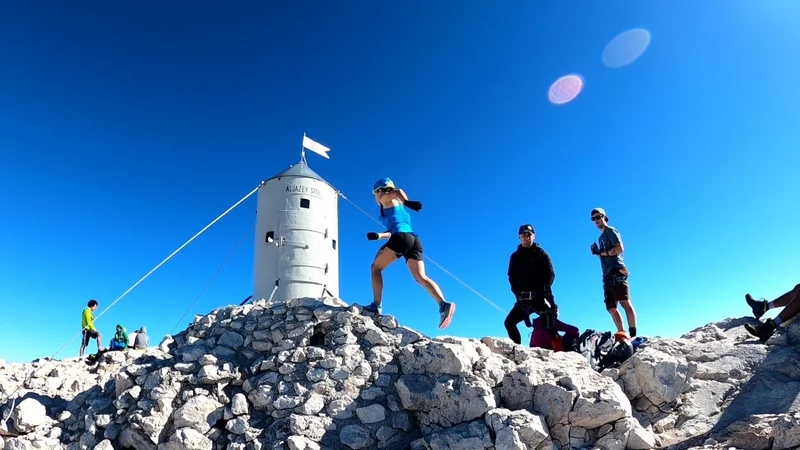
{"x": 759, "y": 307}
{"x": 763, "y": 330}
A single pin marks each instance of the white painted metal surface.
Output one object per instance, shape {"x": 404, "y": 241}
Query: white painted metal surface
{"x": 297, "y": 237}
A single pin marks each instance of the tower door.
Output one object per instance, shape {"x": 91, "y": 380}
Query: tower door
{"x": 302, "y": 240}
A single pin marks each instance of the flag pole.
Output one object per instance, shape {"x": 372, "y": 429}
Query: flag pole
{"x": 303, "y": 150}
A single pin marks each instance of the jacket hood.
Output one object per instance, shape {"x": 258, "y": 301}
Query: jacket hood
{"x": 143, "y": 330}
{"x": 527, "y": 249}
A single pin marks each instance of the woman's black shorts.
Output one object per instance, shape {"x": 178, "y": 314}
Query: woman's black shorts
{"x": 407, "y": 245}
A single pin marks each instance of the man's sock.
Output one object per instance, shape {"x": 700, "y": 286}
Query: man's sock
{"x": 771, "y": 305}
{"x": 632, "y": 331}
{"x": 777, "y": 321}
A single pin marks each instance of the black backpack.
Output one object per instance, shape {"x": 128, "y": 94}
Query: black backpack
{"x": 597, "y": 347}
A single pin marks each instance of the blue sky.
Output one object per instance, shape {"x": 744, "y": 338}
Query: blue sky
{"x": 126, "y": 129}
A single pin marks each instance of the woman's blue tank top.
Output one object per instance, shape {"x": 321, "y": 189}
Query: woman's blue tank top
{"x": 397, "y": 220}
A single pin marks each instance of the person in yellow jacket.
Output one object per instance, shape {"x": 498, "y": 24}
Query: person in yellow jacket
{"x": 87, "y": 324}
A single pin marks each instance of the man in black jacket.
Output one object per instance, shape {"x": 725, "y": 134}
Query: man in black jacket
{"x": 531, "y": 275}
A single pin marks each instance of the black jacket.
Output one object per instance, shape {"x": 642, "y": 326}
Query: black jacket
{"x": 531, "y": 269}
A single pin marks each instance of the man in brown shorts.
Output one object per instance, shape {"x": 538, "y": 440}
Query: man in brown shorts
{"x": 615, "y": 272}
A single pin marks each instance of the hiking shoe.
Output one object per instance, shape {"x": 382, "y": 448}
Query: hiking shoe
{"x": 621, "y": 336}
{"x": 759, "y": 306}
{"x": 446, "y": 310}
{"x": 763, "y": 330}
{"x": 374, "y": 308}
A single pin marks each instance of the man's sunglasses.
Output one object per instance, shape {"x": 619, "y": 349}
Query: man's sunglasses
{"x": 596, "y": 218}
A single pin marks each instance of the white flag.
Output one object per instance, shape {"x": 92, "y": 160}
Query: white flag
{"x": 316, "y": 147}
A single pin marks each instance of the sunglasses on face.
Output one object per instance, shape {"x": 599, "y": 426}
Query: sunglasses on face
{"x": 527, "y": 235}
{"x": 596, "y": 218}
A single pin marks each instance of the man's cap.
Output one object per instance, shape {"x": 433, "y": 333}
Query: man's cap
{"x": 600, "y": 211}
{"x": 527, "y": 228}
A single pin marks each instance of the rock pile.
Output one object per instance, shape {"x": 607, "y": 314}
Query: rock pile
{"x": 319, "y": 374}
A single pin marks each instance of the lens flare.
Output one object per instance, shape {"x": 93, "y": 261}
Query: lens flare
{"x": 565, "y": 89}
{"x": 626, "y": 47}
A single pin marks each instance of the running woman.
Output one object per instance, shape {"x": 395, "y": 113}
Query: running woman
{"x": 403, "y": 241}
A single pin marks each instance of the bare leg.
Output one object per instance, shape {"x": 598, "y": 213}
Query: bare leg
{"x": 382, "y": 261}
{"x": 417, "y": 268}
{"x": 617, "y": 318}
{"x": 791, "y": 310}
{"x": 630, "y": 313}
{"x": 83, "y": 347}
{"x": 99, "y": 338}
{"x": 787, "y": 298}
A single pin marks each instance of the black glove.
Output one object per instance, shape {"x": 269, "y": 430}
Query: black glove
{"x": 412, "y": 204}
{"x": 549, "y": 299}
{"x": 373, "y": 236}
{"x": 595, "y": 250}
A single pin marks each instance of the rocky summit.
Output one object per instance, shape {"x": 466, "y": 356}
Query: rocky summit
{"x": 319, "y": 374}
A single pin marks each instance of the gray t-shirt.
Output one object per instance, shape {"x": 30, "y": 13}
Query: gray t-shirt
{"x": 608, "y": 239}
{"x": 142, "y": 341}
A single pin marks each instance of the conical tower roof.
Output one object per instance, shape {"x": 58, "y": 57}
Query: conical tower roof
{"x": 300, "y": 169}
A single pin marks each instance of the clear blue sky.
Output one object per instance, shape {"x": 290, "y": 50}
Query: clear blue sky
{"x": 124, "y": 129}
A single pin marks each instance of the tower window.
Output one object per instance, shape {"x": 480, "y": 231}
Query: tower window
{"x": 334, "y": 243}
{"x": 305, "y": 203}
{"x": 270, "y": 236}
